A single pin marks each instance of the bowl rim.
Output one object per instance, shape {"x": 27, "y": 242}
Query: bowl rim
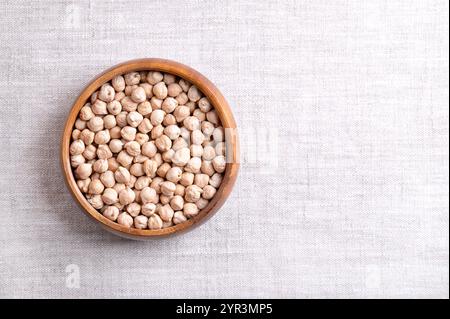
{"x": 223, "y": 110}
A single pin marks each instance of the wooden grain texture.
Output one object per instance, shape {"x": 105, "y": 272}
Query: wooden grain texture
{"x": 226, "y": 117}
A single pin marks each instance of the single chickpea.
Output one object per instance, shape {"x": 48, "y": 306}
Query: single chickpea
{"x": 212, "y": 117}
{"x": 126, "y": 196}
{"x": 142, "y": 182}
{"x": 167, "y": 155}
{"x": 138, "y": 95}
{"x": 220, "y": 149}
{"x": 163, "y": 169}
{"x": 149, "y": 149}
{"x": 164, "y": 199}
{"x": 174, "y": 89}
{"x": 131, "y": 182}
{"x": 167, "y": 224}
{"x": 207, "y": 128}
{"x": 155, "y": 222}
{"x": 193, "y": 165}
{"x": 191, "y": 123}
{"x": 201, "y": 180}
{"x": 179, "y": 190}
{"x": 174, "y": 174}
{"x": 137, "y": 170}
{"x": 150, "y": 167}
{"x": 106, "y": 93}
{"x": 114, "y": 107}
{"x": 83, "y": 171}
{"x": 149, "y": 195}
{"x": 216, "y": 180}
{"x": 148, "y": 89}
{"x": 133, "y": 148}
{"x": 115, "y": 145}
{"x": 169, "y": 119}
{"x": 128, "y": 104}
{"x": 121, "y": 119}
{"x": 169, "y": 78}
{"x": 118, "y": 83}
{"x": 134, "y": 119}
{"x": 107, "y": 178}
{"x": 185, "y": 133}
{"x": 208, "y": 153}
{"x": 113, "y": 165}
{"x": 102, "y": 137}
{"x": 172, "y": 131}
{"x": 177, "y": 202}
{"x": 169, "y": 105}
{"x": 157, "y": 117}
{"x": 141, "y": 138}
{"x": 80, "y": 124}
{"x": 179, "y": 218}
{"x": 95, "y": 124}
{"x": 154, "y": 77}
{"x": 219, "y": 164}
{"x": 119, "y": 96}
{"x": 76, "y": 134}
{"x": 145, "y": 126}
{"x": 128, "y": 133}
{"x": 190, "y": 210}
{"x": 160, "y": 90}
{"x": 148, "y": 209}
{"x": 109, "y": 121}
{"x": 165, "y": 212}
{"x": 201, "y": 203}
{"x": 111, "y": 212}
{"x": 194, "y": 94}
{"x": 157, "y": 131}
{"x": 77, "y": 147}
{"x": 134, "y": 209}
{"x": 207, "y": 168}
{"x": 110, "y": 196}
{"x": 186, "y": 179}
{"x": 140, "y": 222}
{"x": 192, "y": 193}
{"x": 181, "y": 156}
{"x": 100, "y": 166}
{"x": 204, "y": 105}
{"x": 90, "y": 152}
{"x": 96, "y": 201}
{"x": 182, "y": 98}
{"x": 122, "y": 175}
{"x": 179, "y": 143}
{"x": 144, "y": 108}
{"x": 185, "y": 85}
{"x": 125, "y": 219}
{"x": 118, "y": 187}
{"x": 132, "y": 78}
{"x": 86, "y": 112}
{"x": 156, "y": 184}
{"x": 77, "y": 160}
{"x": 181, "y": 112}
{"x": 96, "y": 187}
{"x": 167, "y": 188}
{"x": 124, "y": 158}
{"x": 103, "y": 152}
{"x": 99, "y": 108}
{"x": 156, "y": 103}
{"x": 115, "y": 132}
{"x": 163, "y": 143}
{"x": 197, "y": 137}
{"x": 208, "y": 192}
{"x": 196, "y": 150}
{"x": 83, "y": 184}
{"x": 218, "y": 134}
{"x": 199, "y": 114}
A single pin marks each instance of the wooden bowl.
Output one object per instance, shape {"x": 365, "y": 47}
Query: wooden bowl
{"x": 231, "y": 138}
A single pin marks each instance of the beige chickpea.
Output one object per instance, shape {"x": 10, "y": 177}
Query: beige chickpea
{"x": 118, "y": 83}
{"x": 156, "y": 184}
{"x": 201, "y": 180}
{"x": 76, "y": 134}
{"x": 207, "y": 168}
{"x": 121, "y": 119}
{"x": 192, "y": 193}
{"x": 144, "y": 108}
{"x": 124, "y": 158}
{"x": 99, "y": 108}
{"x": 167, "y": 155}
{"x": 191, "y": 105}
{"x": 137, "y": 170}
{"x": 90, "y": 152}
{"x": 191, "y": 123}
{"x": 113, "y": 165}
{"x": 199, "y": 114}
{"x": 145, "y": 126}
{"x": 172, "y": 131}
{"x": 169, "y": 105}
{"x": 103, "y": 152}
{"x": 174, "y": 174}
{"x": 95, "y": 176}
{"x": 174, "y": 89}
{"x": 157, "y": 131}
{"x": 76, "y": 147}
{"x": 102, "y": 137}
{"x": 128, "y": 133}
{"x": 208, "y": 153}
{"x": 115, "y": 132}
{"x": 96, "y": 201}
{"x": 129, "y": 89}
{"x": 190, "y": 210}
{"x": 77, "y": 160}
{"x": 204, "y": 105}
{"x": 140, "y": 222}
{"x": 122, "y": 175}
{"x": 212, "y": 117}
{"x": 133, "y": 148}
{"x": 208, "y": 192}
{"x": 149, "y": 195}
{"x": 181, "y": 112}
{"x": 118, "y": 187}
{"x": 163, "y": 143}
{"x": 114, "y": 107}
{"x": 207, "y": 128}
{"x": 185, "y": 85}
{"x": 125, "y": 219}
{"x": 169, "y": 78}
{"x": 86, "y": 112}
{"x": 179, "y": 190}
{"x": 155, "y": 222}
{"x": 201, "y": 203}
{"x": 164, "y": 199}
{"x": 109, "y": 121}
{"x": 142, "y": 182}
{"x": 150, "y": 167}
{"x": 194, "y": 94}
{"x": 169, "y": 119}
{"x": 106, "y": 93}
{"x": 119, "y": 96}
{"x": 156, "y": 103}
{"x": 115, "y": 145}
{"x": 182, "y": 98}
{"x": 218, "y": 134}
{"x": 219, "y": 164}
{"x": 110, "y": 196}
{"x": 87, "y": 136}
{"x": 100, "y": 166}
{"x": 126, "y": 196}
{"x": 83, "y": 184}
{"x": 220, "y": 148}
{"x": 148, "y": 209}
{"x": 177, "y": 202}
{"x": 96, "y": 187}
{"x": 216, "y": 180}
{"x": 167, "y": 188}
{"x": 111, "y": 212}
{"x": 160, "y": 90}
{"x": 134, "y": 119}
{"x": 179, "y": 143}
{"x": 128, "y": 104}
{"x": 134, "y": 209}
{"x": 196, "y": 150}
{"x": 186, "y": 179}
{"x": 83, "y": 171}
{"x": 193, "y": 165}
{"x": 80, "y": 124}
{"x": 154, "y": 77}
{"x": 149, "y": 149}
{"x": 178, "y": 217}
{"x": 167, "y": 224}
{"x": 165, "y": 212}
{"x": 148, "y": 89}
{"x": 95, "y": 124}
{"x": 181, "y": 156}
{"x": 157, "y": 117}
{"x": 107, "y": 178}
{"x": 197, "y": 137}
{"x": 141, "y": 138}
{"x": 132, "y": 78}
{"x": 163, "y": 169}
{"x": 138, "y": 95}
{"x": 131, "y": 182}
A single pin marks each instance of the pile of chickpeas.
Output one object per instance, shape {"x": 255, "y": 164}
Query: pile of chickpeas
{"x": 148, "y": 150}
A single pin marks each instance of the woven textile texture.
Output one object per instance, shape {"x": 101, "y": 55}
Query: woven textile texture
{"x": 342, "y": 110}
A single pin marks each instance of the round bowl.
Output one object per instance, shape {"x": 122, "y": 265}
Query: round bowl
{"x": 231, "y": 140}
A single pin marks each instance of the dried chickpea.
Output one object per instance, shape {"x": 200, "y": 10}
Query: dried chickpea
{"x": 77, "y": 147}
{"x": 149, "y": 195}
{"x": 177, "y": 202}
{"x": 160, "y": 90}
{"x": 86, "y": 112}
{"x": 111, "y": 212}
{"x": 118, "y": 83}
{"x": 174, "y": 89}
{"x": 114, "y": 107}
{"x": 178, "y": 218}
{"x": 165, "y": 212}
{"x": 190, "y": 210}
{"x": 154, "y": 77}
{"x": 148, "y": 209}
{"x": 219, "y": 163}
{"x": 126, "y": 196}
{"x": 122, "y": 175}
{"x": 90, "y": 152}
{"x": 107, "y": 178}
{"x": 83, "y": 184}
{"x": 84, "y": 170}
{"x": 96, "y": 187}
{"x": 76, "y": 160}
{"x": 95, "y": 124}
{"x": 140, "y": 222}
{"x": 194, "y": 94}
{"x": 110, "y": 196}
{"x": 125, "y": 220}
{"x": 106, "y": 93}
{"x": 155, "y": 222}
{"x": 134, "y": 209}
{"x": 138, "y": 95}
{"x": 132, "y": 78}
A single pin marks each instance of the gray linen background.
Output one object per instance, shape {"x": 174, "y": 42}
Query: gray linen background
{"x": 346, "y": 197}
